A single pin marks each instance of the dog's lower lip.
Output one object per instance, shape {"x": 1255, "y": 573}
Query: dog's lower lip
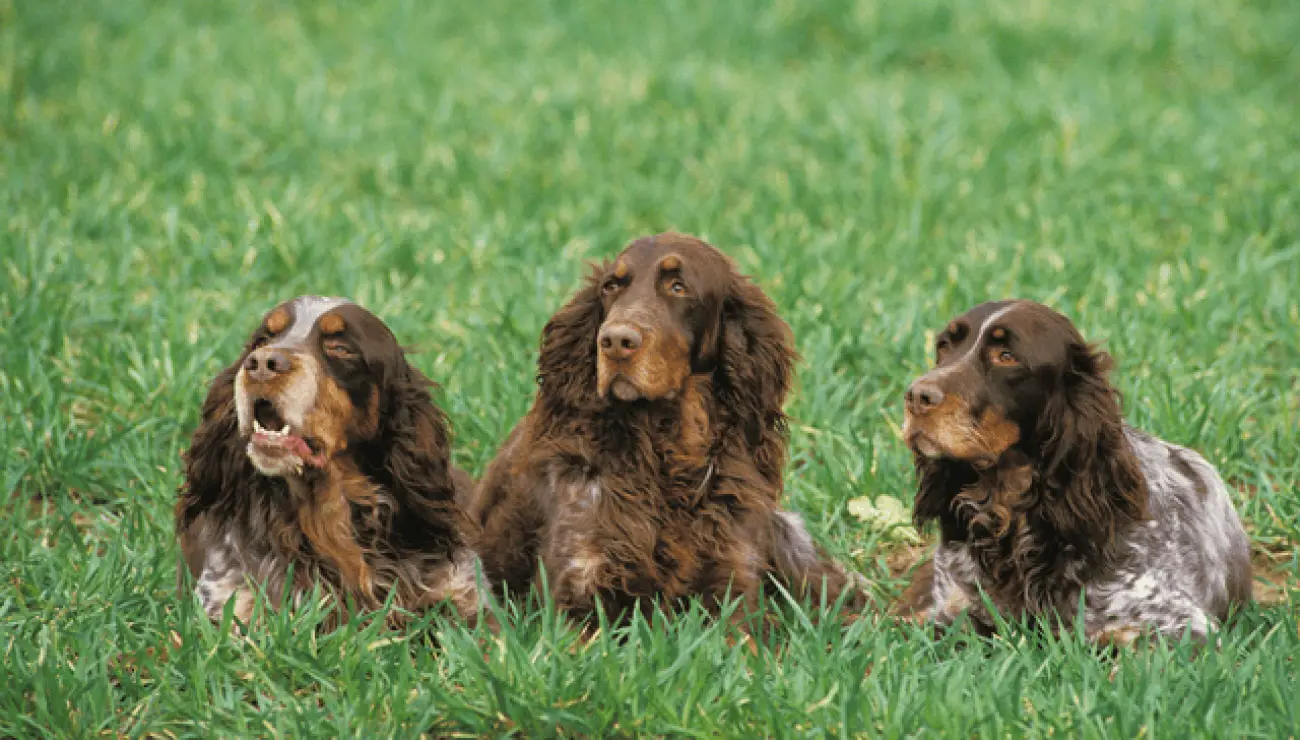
{"x": 921, "y": 445}
{"x": 286, "y": 444}
{"x": 281, "y": 440}
{"x": 623, "y": 389}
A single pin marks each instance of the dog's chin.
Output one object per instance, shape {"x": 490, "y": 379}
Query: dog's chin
{"x": 624, "y": 390}
{"x": 923, "y": 446}
{"x": 619, "y": 387}
{"x": 917, "y": 441}
{"x": 274, "y": 463}
{"x": 282, "y": 455}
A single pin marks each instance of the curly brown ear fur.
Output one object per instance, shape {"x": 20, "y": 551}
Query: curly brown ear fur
{"x": 1091, "y": 475}
{"x": 938, "y": 482}
{"x": 410, "y": 457}
{"x": 215, "y": 465}
{"x": 566, "y": 365}
{"x": 756, "y": 361}
{"x": 216, "y": 462}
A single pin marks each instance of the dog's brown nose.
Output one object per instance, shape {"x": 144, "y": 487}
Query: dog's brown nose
{"x": 619, "y": 341}
{"x": 265, "y": 363}
{"x": 923, "y": 396}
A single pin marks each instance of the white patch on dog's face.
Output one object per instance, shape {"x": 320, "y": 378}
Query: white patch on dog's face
{"x": 307, "y": 310}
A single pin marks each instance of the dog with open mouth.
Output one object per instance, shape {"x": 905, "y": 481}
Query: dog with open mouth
{"x": 649, "y": 469}
{"x": 322, "y": 461}
{"x": 1047, "y": 500}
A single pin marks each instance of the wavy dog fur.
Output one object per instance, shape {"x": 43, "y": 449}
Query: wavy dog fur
{"x": 1052, "y": 495}
{"x": 378, "y": 517}
{"x": 674, "y": 494}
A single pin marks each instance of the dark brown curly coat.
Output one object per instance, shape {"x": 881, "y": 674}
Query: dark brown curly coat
{"x": 649, "y": 469}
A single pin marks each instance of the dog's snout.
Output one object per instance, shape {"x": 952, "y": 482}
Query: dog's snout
{"x": 619, "y": 341}
{"x": 923, "y": 396}
{"x": 265, "y": 364}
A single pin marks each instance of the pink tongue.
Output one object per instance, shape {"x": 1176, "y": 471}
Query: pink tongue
{"x": 291, "y": 443}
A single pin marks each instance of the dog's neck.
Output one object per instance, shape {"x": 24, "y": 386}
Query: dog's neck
{"x": 669, "y": 442}
{"x": 1032, "y": 555}
{"x": 323, "y": 505}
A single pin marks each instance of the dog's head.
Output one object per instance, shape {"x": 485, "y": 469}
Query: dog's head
{"x": 668, "y": 308}
{"x": 661, "y": 302}
{"x": 1015, "y": 386}
{"x": 995, "y": 367}
{"x": 311, "y": 383}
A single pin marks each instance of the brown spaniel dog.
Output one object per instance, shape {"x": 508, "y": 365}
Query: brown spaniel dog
{"x": 321, "y": 451}
{"x": 649, "y": 468}
{"x": 1045, "y": 496}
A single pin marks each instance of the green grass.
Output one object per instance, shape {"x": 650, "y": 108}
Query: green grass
{"x": 171, "y": 170}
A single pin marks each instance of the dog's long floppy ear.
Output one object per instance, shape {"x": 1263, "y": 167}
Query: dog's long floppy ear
{"x": 1086, "y": 459}
{"x": 218, "y": 472}
{"x": 411, "y": 457}
{"x": 216, "y": 464}
{"x": 755, "y": 366}
{"x": 938, "y": 482}
{"x": 566, "y": 365}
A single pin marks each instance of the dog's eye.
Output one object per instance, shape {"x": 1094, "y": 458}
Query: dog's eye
{"x": 677, "y": 287}
{"x": 942, "y": 345}
{"x": 1003, "y": 356}
{"x": 339, "y": 349}
{"x": 610, "y": 286}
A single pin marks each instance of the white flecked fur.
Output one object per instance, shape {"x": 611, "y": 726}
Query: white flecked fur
{"x": 1182, "y": 571}
{"x": 221, "y": 579}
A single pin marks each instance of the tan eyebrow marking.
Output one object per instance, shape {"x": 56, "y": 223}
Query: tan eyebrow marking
{"x": 952, "y": 327}
{"x": 331, "y": 323}
{"x": 620, "y": 270}
{"x": 999, "y": 333}
{"x": 671, "y": 262}
{"x": 277, "y": 321}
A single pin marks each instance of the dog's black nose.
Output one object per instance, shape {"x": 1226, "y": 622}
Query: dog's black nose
{"x": 265, "y": 363}
{"x": 923, "y": 396}
{"x": 619, "y": 341}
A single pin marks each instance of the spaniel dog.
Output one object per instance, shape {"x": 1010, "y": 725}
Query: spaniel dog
{"x": 321, "y": 460}
{"x": 1045, "y": 497}
{"x": 648, "y": 470}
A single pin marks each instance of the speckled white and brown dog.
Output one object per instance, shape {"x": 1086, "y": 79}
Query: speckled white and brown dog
{"x": 1044, "y": 495}
{"x": 321, "y": 452}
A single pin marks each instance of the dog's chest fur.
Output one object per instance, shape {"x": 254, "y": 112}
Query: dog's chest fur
{"x": 608, "y": 536}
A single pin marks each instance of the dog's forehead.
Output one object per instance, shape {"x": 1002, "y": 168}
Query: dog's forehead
{"x": 312, "y": 307}
{"x": 361, "y": 322}
{"x": 294, "y": 320}
{"x": 676, "y": 251}
{"x": 1034, "y": 321}
{"x": 976, "y": 318}
{"x": 1040, "y": 334}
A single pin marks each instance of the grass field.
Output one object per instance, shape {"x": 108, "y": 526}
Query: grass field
{"x": 171, "y": 170}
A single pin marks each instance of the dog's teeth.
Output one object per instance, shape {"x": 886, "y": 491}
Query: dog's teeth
{"x": 257, "y": 426}
{"x": 285, "y": 430}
